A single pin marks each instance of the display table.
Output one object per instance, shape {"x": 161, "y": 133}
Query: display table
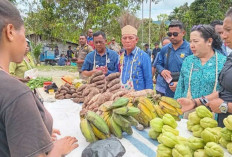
{"x": 66, "y": 118}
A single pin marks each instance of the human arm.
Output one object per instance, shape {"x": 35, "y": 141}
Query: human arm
{"x": 147, "y": 72}
{"x": 160, "y": 65}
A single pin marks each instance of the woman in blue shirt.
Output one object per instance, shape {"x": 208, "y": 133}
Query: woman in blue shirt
{"x": 200, "y": 71}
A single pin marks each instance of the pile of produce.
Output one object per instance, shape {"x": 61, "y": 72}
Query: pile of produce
{"x": 66, "y": 91}
{"x": 204, "y": 142}
{"x": 226, "y": 134}
{"x": 117, "y": 116}
{"x": 93, "y": 127}
{"x": 113, "y": 84}
{"x": 38, "y": 82}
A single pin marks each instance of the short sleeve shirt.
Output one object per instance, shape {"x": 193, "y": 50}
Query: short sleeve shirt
{"x": 25, "y": 125}
{"x": 81, "y": 54}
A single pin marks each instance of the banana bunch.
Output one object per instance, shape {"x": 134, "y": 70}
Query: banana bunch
{"x": 147, "y": 111}
{"x": 119, "y": 116}
{"x": 168, "y": 105}
{"x": 93, "y": 127}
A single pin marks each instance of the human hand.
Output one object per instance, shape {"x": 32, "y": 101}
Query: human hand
{"x": 187, "y": 104}
{"x": 55, "y": 132}
{"x": 66, "y": 145}
{"x": 166, "y": 74}
{"x": 173, "y": 87}
{"x": 214, "y": 105}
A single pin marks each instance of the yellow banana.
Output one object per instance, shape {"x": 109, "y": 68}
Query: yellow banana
{"x": 98, "y": 133}
{"x": 179, "y": 111}
{"x": 158, "y": 110}
{"x": 145, "y": 110}
{"x": 170, "y": 101}
{"x": 87, "y": 131}
{"x": 147, "y": 102}
{"x": 98, "y": 122}
{"x": 130, "y": 104}
{"x": 115, "y": 128}
{"x": 105, "y": 117}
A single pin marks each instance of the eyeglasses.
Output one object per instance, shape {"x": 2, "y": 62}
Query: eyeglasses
{"x": 175, "y": 34}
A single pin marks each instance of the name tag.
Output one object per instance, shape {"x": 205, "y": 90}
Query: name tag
{"x": 108, "y": 60}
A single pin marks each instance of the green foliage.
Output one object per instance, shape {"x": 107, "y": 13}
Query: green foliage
{"x": 36, "y": 50}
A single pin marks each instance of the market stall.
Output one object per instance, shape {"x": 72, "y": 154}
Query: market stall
{"x": 66, "y": 118}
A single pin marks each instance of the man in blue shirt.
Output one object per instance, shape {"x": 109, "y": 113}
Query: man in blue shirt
{"x": 136, "y": 64}
{"x": 155, "y": 51}
{"x": 177, "y": 50}
{"x": 101, "y": 58}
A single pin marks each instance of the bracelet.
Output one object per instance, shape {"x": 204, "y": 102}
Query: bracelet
{"x": 195, "y": 102}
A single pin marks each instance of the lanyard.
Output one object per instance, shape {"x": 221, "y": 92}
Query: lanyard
{"x": 128, "y": 63}
{"x": 189, "y": 95}
{"x": 94, "y": 61}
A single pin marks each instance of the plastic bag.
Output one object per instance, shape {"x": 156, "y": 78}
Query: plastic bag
{"x": 110, "y": 147}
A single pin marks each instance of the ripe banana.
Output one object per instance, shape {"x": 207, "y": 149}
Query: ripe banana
{"x": 130, "y": 104}
{"x": 168, "y": 108}
{"x": 87, "y": 131}
{"x": 98, "y": 122}
{"x": 115, "y": 128}
{"x": 98, "y": 133}
{"x": 159, "y": 111}
{"x": 142, "y": 121}
{"x": 179, "y": 111}
{"x": 147, "y": 102}
{"x": 145, "y": 110}
{"x": 171, "y": 101}
{"x": 105, "y": 117}
{"x": 120, "y": 120}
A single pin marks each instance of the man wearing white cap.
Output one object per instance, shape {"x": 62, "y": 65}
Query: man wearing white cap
{"x": 136, "y": 68}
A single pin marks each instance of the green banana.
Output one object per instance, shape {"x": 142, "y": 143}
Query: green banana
{"x": 119, "y": 103}
{"x": 115, "y": 128}
{"x": 128, "y": 130}
{"x": 120, "y": 120}
{"x": 132, "y": 120}
{"x": 128, "y": 111}
{"x": 87, "y": 131}
{"x": 97, "y": 121}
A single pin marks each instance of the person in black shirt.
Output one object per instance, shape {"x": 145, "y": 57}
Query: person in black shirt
{"x": 155, "y": 51}
{"x": 69, "y": 52}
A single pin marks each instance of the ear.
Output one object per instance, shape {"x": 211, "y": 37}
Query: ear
{"x": 10, "y": 32}
{"x": 210, "y": 41}
{"x": 184, "y": 32}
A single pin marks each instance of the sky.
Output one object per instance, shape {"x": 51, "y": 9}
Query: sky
{"x": 163, "y": 7}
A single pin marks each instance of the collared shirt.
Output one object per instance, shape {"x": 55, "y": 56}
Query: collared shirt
{"x": 176, "y": 59}
{"x": 141, "y": 70}
{"x": 226, "y": 50}
{"x": 155, "y": 52}
{"x": 90, "y": 42}
{"x": 112, "y": 61}
{"x": 82, "y": 51}
{"x": 202, "y": 76}
{"x": 18, "y": 69}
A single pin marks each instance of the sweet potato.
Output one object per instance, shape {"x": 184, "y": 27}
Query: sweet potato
{"x": 82, "y": 87}
{"x": 59, "y": 95}
{"x": 68, "y": 96}
{"x": 67, "y": 85}
{"x": 120, "y": 93}
{"x": 115, "y": 87}
{"x": 113, "y": 82}
{"x": 86, "y": 91}
{"x": 103, "y": 98}
{"x": 100, "y": 82}
{"x": 98, "y": 78}
{"x": 63, "y": 91}
{"x": 97, "y": 73}
{"x": 64, "y": 88}
{"x": 112, "y": 76}
{"x": 94, "y": 99}
{"x": 144, "y": 92}
{"x": 74, "y": 95}
{"x": 102, "y": 86}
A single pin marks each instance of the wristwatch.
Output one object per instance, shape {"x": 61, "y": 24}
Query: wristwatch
{"x": 224, "y": 107}
{"x": 204, "y": 100}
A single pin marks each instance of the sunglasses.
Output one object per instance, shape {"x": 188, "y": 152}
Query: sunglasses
{"x": 175, "y": 34}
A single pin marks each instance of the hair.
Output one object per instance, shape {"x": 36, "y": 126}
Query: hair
{"x": 229, "y": 13}
{"x": 165, "y": 38}
{"x": 146, "y": 45}
{"x": 176, "y": 23}
{"x": 216, "y": 22}
{"x": 96, "y": 34}
{"x": 156, "y": 43}
{"x": 83, "y": 35}
{"x": 69, "y": 46}
{"x": 9, "y": 14}
{"x": 207, "y": 31}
